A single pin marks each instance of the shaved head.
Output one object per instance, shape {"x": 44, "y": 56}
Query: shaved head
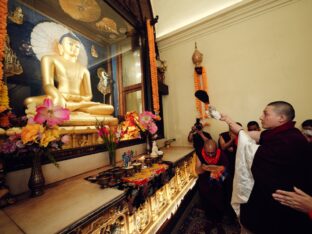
{"x": 210, "y": 147}
{"x": 283, "y": 108}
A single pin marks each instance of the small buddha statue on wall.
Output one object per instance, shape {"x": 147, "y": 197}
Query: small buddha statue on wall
{"x": 105, "y": 85}
{"x": 74, "y": 86}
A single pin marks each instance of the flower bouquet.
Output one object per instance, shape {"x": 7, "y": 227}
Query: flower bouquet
{"x": 111, "y": 135}
{"x": 41, "y": 133}
{"x": 141, "y": 126}
{"x": 38, "y": 138}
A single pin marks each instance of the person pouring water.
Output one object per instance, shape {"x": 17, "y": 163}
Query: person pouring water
{"x": 272, "y": 164}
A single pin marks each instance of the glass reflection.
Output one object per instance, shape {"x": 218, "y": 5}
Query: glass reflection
{"x": 134, "y": 101}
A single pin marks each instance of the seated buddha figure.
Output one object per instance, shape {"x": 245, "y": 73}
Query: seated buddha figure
{"x": 73, "y": 90}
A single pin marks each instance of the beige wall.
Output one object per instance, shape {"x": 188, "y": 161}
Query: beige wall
{"x": 253, "y": 55}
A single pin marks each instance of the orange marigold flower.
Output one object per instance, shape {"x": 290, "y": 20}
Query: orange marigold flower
{"x": 31, "y": 132}
{"x": 4, "y": 121}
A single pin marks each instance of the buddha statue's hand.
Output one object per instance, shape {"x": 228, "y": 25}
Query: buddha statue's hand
{"x": 54, "y": 94}
{"x": 72, "y": 97}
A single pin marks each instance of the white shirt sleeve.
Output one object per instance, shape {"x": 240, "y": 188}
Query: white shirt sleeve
{"x": 243, "y": 180}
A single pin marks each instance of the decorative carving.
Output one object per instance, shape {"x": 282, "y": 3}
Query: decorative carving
{"x": 94, "y": 53}
{"x": 82, "y": 10}
{"x": 105, "y": 85}
{"x": 197, "y": 57}
{"x": 107, "y": 25}
{"x": 151, "y": 214}
{"x": 113, "y": 220}
{"x": 12, "y": 65}
{"x": 143, "y": 216}
{"x": 161, "y": 70}
{"x": 17, "y": 16}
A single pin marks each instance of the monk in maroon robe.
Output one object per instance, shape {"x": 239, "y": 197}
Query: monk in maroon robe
{"x": 211, "y": 166}
{"x": 281, "y": 161}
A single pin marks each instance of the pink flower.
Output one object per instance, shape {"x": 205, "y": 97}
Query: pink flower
{"x": 31, "y": 120}
{"x": 146, "y": 119}
{"x": 50, "y": 114}
{"x": 152, "y": 128}
{"x": 104, "y": 131}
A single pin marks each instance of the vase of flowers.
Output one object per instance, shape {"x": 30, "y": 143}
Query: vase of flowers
{"x": 38, "y": 138}
{"x": 148, "y": 128}
{"x": 112, "y": 157}
{"x": 140, "y": 126}
{"x": 111, "y": 136}
{"x": 148, "y": 144}
{"x": 36, "y": 180}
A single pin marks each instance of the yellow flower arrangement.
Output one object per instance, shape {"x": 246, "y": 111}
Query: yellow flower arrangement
{"x": 40, "y": 134}
{"x": 49, "y": 135}
{"x": 31, "y": 132}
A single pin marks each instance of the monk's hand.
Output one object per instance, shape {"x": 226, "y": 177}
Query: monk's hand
{"x": 226, "y": 118}
{"x": 232, "y": 124}
{"x": 296, "y": 199}
{"x": 205, "y": 167}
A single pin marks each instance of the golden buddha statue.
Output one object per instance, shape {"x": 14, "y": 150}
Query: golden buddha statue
{"x": 74, "y": 86}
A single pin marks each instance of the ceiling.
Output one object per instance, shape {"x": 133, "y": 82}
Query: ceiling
{"x": 94, "y": 19}
{"x": 176, "y": 15}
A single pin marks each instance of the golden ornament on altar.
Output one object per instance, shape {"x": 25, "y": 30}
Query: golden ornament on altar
{"x": 197, "y": 57}
{"x": 82, "y": 10}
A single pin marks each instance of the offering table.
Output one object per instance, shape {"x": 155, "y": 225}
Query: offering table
{"x": 78, "y": 206}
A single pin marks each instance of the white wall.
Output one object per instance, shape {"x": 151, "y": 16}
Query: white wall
{"x": 255, "y": 54}
{"x": 174, "y": 15}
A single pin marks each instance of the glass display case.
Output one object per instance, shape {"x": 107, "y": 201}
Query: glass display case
{"x": 111, "y": 49}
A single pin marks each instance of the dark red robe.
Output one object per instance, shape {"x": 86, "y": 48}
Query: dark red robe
{"x": 212, "y": 192}
{"x": 281, "y": 162}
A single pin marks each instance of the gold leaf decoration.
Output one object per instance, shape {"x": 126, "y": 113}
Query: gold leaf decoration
{"x": 82, "y": 10}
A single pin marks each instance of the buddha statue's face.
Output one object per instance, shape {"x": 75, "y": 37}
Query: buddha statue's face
{"x": 70, "y": 46}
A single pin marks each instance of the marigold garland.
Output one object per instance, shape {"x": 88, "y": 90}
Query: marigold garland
{"x": 4, "y": 99}
{"x": 153, "y": 67}
{"x": 203, "y": 86}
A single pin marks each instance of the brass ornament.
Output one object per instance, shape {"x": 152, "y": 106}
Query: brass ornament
{"x": 161, "y": 70}
{"x": 107, "y": 25}
{"x": 82, "y": 10}
{"x": 12, "y": 65}
{"x": 105, "y": 85}
{"x": 197, "y": 57}
{"x": 17, "y": 16}
{"x": 94, "y": 53}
